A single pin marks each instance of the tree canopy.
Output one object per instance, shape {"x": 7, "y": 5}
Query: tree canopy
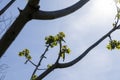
{"x": 83, "y": 30}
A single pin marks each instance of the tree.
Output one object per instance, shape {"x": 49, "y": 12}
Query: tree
{"x": 64, "y": 65}
{"x": 31, "y": 11}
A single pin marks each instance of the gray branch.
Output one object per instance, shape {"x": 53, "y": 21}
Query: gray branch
{"x": 45, "y": 15}
{"x": 71, "y": 63}
{"x": 31, "y": 12}
{"x": 6, "y": 7}
{"x": 65, "y": 65}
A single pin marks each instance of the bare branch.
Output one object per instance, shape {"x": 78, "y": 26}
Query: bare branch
{"x": 45, "y": 15}
{"x": 32, "y": 63}
{"x": 7, "y": 6}
{"x": 46, "y": 72}
{"x": 39, "y": 63}
{"x": 12, "y": 32}
{"x": 57, "y": 61}
{"x": 64, "y": 65}
{"x": 28, "y": 14}
{"x": 71, "y": 63}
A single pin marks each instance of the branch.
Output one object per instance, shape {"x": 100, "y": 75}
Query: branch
{"x": 17, "y": 26}
{"x": 31, "y": 11}
{"x": 60, "y": 45}
{"x": 65, "y": 65}
{"x": 46, "y": 72}
{"x": 7, "y": 6}
{"x": 71, "y": 63}
{"x": 32, "y": 63}
{"x": 39, "y": 63}
{"x": 12, "y": 32}
{"x": 46, "y": 15}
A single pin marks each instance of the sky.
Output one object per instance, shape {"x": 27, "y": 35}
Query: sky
{"x": 82, "y": 29}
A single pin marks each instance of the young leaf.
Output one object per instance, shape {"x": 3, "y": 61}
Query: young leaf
{"x": 63, "y": 56}
{"x": 34, "y": 77}
{"x": 68, "y": 51}
{"x": 49, "y": 65}
{"x": 29, "y": 57}
{"x": 109, "y": 47}
{"x": 21, "y": 54}
{"x": 62, "y": 34}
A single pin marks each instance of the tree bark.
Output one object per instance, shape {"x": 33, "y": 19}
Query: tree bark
{"x": 31, "y": 11}
{"x": 12, "y": 32}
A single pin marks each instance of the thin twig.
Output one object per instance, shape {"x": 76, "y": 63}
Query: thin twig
{"x": 7, "y": 6}
{"x": 65, "y": 65}
{"x": 39, "y": 63}
{"x": 32, "y": 63}
{"x": 60, "y": 45}
{"x": 110, "y": 38}
{"x": 42, "y": 69}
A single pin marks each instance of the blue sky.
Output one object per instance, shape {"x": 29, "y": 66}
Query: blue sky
{"x": 82, "y": 29}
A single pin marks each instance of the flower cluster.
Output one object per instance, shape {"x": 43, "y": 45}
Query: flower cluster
{"x": 64, "y": 50}
{"x": 34, "y": 77}
{"x": 26, "y": 54}
{"x": 113, "y": 44}
{"x": 53, "y": 40}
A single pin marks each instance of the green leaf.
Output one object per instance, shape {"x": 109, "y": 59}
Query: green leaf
{"x": 54, "y": 43}
{"x": 64, "y": 47}
{"x": 68, "y": 51}
{"x": 49, "y": 65}
{"x": 63, "y": 56}
{"x": 46, "y": 38}
{"x": 109, "y": 47}
{"x": 56, "y": 38}
{"x": 114, "y": 44}
{"x": 62, "y": 34}
{"x": 27, "y": 51}
{"x": 21, "y": 54}
{"x": 29, "y": 57}
{"x": 118, "y": 47}
{"x": 34, "y": 77}
{"x": 113, "y": 24}
{"x": 118, "y": 15}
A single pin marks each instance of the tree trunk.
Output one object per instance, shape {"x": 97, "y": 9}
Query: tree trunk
{"x": 32, "y": 11}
